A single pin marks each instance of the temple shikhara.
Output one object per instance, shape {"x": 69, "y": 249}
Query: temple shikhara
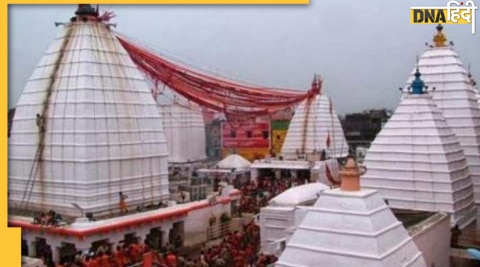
{"x": 86, "y": 128}
{"x": 416, "y": 161}
{"x": 120, "y": 157}
{"x": 455, "y": 96}
{"x": 315, "y": 128}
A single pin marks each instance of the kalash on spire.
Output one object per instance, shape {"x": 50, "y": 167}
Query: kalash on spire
{"x": 439, "y": 38}
{"x": 87, "y": 12}
{"x": 418, "y": 86}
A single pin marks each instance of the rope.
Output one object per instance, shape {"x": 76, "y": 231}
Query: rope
{"x": 68, "y": 81}
{"x": 38, "y": 161}
{"x": 330, "y": 175}
{"x": 305, "y": 123}
{"x": 330, "y": 107}
{"x": 317, "y": 108}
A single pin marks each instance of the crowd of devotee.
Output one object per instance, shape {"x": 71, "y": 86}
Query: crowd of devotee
{"x": 236, "y": 249}
{"x": 239, "y": 250}
{"x": 256, "y": 195}
{"x": 51, "y": 218}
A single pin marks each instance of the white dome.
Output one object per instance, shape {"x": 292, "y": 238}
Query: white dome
{"x": 103, "y": 134}
{"x": 299, "y": 194}
{"x": 310, "y": 128}
{"x": 455, "y": 96}
{"x": 416, "y": 162}
{"x": 234, "y": 161}
{"x": 185, "y": 132}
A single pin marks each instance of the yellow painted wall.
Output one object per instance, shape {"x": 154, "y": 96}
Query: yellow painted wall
{"x": 278, "y": 137}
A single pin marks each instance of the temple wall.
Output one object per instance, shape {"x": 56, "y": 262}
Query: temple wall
{"x": 192, "y": 227}
{"x": 197, "y": 222}
{"x": 55, "y": 241}
{"x": 433, "y": 240}
{"x": 274, "y": 221}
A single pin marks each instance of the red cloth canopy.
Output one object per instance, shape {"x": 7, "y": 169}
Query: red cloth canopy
{"x": 232, "y": 98}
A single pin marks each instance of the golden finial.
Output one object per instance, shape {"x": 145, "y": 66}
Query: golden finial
{"x": 439, "y": 39}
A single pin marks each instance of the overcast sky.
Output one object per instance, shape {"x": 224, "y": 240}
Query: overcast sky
{"x": 364, "y": 50}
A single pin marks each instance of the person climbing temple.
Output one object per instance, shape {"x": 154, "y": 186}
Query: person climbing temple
{"x": 40, "y": 123}
{"x": 123, "y": 204}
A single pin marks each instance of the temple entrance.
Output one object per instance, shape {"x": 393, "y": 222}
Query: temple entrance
{"x": 154, "y": 238}
{"x": 42, "y": 249}
{"x": 100, "y": 246}
{"x": 67, "y": 252}
{"x": 176, "y": 235}
{"x": 130, "y": 238}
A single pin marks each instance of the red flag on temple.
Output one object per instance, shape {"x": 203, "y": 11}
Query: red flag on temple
{"x": 328, "y": 141}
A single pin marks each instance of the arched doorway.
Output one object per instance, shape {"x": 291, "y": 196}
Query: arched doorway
{"x": 154, "y": 238}
{"x": 42, "y": 249}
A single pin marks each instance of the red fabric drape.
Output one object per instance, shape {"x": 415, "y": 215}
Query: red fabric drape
{"x": 232, "y": 98}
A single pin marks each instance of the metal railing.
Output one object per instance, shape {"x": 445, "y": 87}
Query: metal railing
{"x": 218, "y": 230}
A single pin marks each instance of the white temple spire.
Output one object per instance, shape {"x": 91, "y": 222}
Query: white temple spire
{"x": 416, "y": 161}
{"x": 103, "y": 134}
{"x": 315, "y": 127}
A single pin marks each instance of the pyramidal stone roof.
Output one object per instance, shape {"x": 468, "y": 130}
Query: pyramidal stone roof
{"x": 184, "y": 130}
{"x": 350, "y": 229}
{"x": 350, "y": 226}
{"x": 455, "y": 95}
{"x": 97, "y": 133}
{"x": 417, "y": 163}
{"x": 314, "y": 127}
